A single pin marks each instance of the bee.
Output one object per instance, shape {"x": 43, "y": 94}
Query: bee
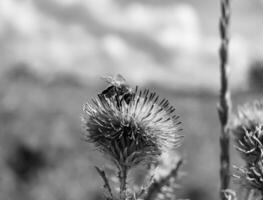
{"x": 118, "y": 89}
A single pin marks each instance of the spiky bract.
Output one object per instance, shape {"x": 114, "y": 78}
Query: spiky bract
{"x": 132, "y": 132}
{"x": 251, "y": 176}
{"x": 248, "y": 131}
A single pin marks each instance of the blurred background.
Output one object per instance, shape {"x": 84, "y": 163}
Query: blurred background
{"x": 53, "y": 53}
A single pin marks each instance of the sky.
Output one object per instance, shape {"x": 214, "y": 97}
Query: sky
{"x": 171, "y": 43}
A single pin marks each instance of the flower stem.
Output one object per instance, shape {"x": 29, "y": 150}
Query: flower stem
{"x": 123, "y": 171}
{"x": 156, "y": 187}
{"x": 224, "y": 108}
{"x": 106, "y": 182}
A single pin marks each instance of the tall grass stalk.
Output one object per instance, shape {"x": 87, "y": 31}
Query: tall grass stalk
{"x": 224, "y": 108}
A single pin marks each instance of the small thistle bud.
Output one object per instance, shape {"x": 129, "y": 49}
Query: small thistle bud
{"x": 131, "y": 126}
{"x": 248, "y": 131}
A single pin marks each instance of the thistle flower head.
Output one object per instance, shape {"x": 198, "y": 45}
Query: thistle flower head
{"x": 248, "y": 131}
{"x": 133, "y": 130}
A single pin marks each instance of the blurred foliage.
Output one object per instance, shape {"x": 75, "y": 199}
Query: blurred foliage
{"x": 22, "y": 72}
{"x": 41, "y": 122}
{"x": 25, "y": 162}
{"x": 256, "y": 75}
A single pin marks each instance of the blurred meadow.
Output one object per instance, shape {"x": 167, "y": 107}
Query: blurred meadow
{"x": 53, "y": 55}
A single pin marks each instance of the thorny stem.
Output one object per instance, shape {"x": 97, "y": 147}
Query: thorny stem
{"x": 157, "y": 186}
{"x": 123, "y": 171}
{"x": 224, "y": 107}
{"x": 106, "y": 182}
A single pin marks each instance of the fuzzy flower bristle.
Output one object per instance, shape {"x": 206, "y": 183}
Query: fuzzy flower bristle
{"x": 249, "y": 115}
{"x": 132, "y": 132}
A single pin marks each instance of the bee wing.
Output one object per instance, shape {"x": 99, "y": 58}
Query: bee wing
{"x": 109, "y": 80}
{"x": 117, "y": 80}
{"x": 120, "y": 79}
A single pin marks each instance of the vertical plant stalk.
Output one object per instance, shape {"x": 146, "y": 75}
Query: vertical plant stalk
{"x": 224, "y": 108}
